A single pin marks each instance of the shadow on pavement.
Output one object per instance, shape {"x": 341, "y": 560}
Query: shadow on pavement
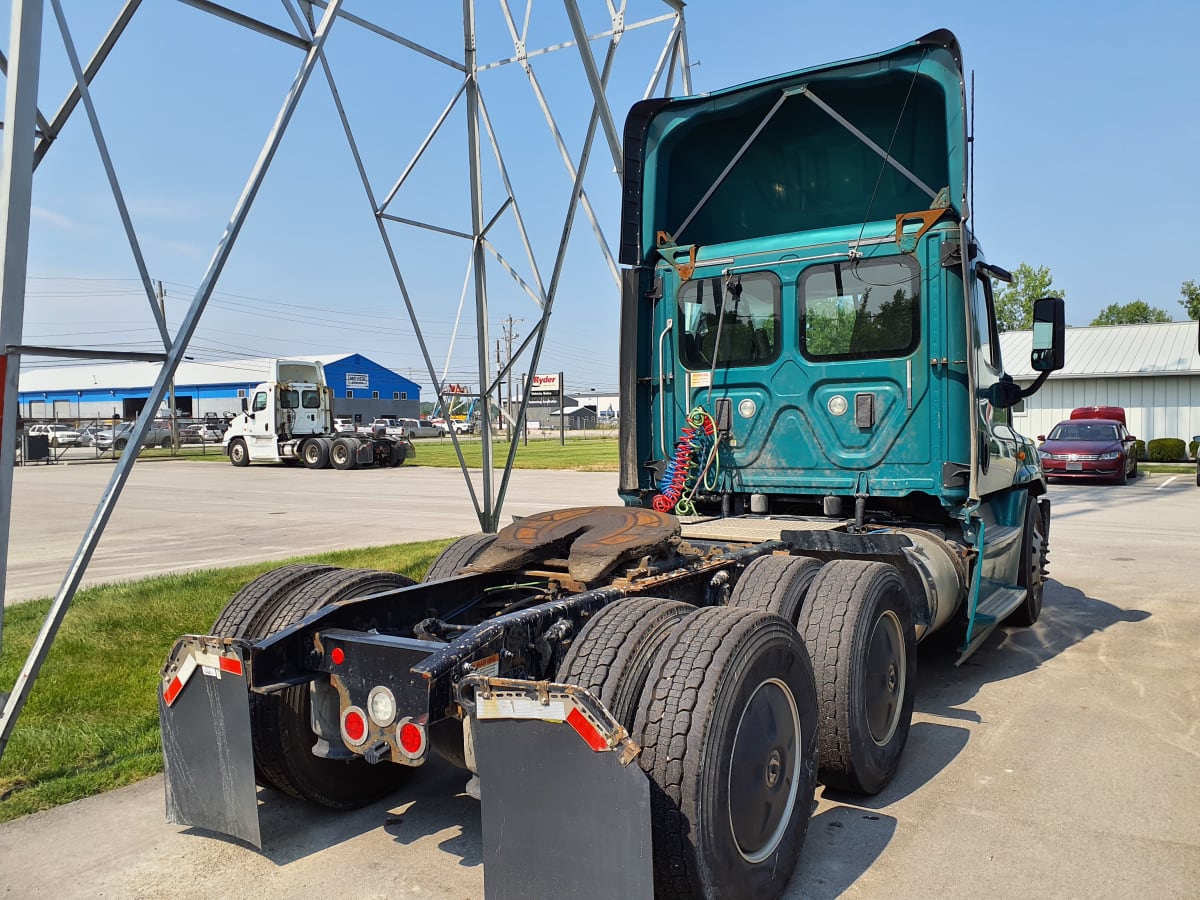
{"x": 429, "y": 803}
{"x": 841, "y": 844}
{"x": 931, "y": 746}
{"x": 1069, "y": 617}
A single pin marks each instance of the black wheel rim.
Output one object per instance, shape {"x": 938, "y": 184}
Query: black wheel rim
{"x": 762, "y": 770}
{"x": 885, "y": 674}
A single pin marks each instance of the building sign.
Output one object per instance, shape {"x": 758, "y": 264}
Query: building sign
{"x": 546, "y": 384}
{"x": 357, "y": 381}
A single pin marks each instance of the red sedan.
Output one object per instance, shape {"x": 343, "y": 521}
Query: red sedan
{"x": 1089, "y": 448}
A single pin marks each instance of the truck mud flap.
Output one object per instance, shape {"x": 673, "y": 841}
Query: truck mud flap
{"x": 566, "y": 808}
{"x": 208, "y": 759}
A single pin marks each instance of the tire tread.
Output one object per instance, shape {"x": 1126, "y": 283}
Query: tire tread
{"x": 613, "y": 653}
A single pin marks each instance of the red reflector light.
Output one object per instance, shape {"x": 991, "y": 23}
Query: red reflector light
{"x": 411, "y": 738}
{"x": 587, "y": 730}
{"x": 338, "y": 656}
{"x": 230, "y": 664}
{"x": 172, "y": 691}
{"x": 355, "y": 725}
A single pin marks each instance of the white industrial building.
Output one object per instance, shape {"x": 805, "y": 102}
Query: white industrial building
{"x": 1152, "y": 371}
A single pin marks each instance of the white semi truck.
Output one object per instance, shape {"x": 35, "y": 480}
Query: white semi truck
{"x": 289, "y": 419}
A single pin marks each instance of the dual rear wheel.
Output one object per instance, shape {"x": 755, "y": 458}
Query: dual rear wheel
{"x": 735, "y": 708}
{"x": 723, "y": 703}
{"x": 281, "y": 722}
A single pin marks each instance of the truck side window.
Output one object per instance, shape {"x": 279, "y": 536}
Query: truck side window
{"x": 310, "y": 400}
{"x": 860, "y": 309}
{"x": 260, "y": 401}
{"x": 289, "y": 399}
{"x": 983, "y": 311}
{"x": 749, "y": 305}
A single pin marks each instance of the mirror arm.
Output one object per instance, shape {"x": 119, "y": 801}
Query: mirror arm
{"x": 1035, "y": 387}
{"x": 1004, "y": 394}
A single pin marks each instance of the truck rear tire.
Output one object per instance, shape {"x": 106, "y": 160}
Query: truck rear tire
{"x": 344, "y": 453}
{"x": 858, "y": 626}
{"x": 1032, "y": 574}
{"x": 461, "y": 553}
{"x": 728, "y": 729}
{"x": 314, "y": 453}
{"x": 613, "y": 653}
{"x": 776, "y": 584}
{"x": 238, "y": 454}
{"x": 396, "y": 455}
{"x": 281, "y": 722}
{"x": 242, "y": 615}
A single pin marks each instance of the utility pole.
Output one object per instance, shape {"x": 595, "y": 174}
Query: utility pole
{"x": 499, "y": 369}
{"x": 162, "y": 305}
{"x": 509, "y": 337}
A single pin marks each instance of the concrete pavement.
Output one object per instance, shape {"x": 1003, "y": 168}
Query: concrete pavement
{"x": 1062, "y": 760}
{"x": 176, "y": 515}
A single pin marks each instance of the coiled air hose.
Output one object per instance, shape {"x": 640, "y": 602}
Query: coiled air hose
{"x": 694, "y": 464}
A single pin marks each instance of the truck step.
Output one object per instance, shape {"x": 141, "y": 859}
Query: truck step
{"x": 988, "y": 614}
{"x": 999, "y": 603}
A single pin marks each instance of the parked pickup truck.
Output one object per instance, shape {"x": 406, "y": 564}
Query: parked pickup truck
{"x": 419, "y": 428}
{"x": 117, "y": 438}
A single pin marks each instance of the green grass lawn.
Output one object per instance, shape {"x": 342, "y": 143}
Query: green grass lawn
{"x": 1167, "y": 468}
{"x": 91, "y": 720}
{"x": 579, "y": 454}
{"x": 591, "y": 454}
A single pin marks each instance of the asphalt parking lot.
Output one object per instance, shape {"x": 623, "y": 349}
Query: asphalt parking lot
{"x": 1060, "y": 761}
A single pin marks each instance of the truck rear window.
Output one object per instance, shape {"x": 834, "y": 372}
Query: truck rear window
{"x": 860, "y": 309}
{"x": 748, "y": 325}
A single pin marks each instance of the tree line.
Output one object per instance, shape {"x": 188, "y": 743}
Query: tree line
{"x": 1014, "y": 302}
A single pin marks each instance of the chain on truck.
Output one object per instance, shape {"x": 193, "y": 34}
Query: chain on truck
{"x": 817, "y": 475}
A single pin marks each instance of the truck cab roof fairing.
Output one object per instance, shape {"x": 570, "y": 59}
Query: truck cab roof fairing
{"x": 820, "y": 172}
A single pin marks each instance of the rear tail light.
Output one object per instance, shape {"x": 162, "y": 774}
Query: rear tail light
{"x": 411, "y": 739}
{"x": 354, "y": 726}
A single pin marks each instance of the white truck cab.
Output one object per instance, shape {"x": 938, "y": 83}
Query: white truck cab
{"x": 294, "y": 405}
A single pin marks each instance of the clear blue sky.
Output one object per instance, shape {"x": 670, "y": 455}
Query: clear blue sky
{"x": 1085, "y": 159}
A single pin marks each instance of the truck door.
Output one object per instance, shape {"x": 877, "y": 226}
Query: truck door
{"x": 997, "y": 462}
{"x": 261, "y": 441}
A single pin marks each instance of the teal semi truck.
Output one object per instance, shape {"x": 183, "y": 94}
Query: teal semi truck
{"x": 817, "y": 474}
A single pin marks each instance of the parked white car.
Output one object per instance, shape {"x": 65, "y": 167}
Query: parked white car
{"x": 199, "y": 434}
{"x": 460, "y": 427}
{"x": 343, "y": 425}
{"x": 59, "y": 435}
